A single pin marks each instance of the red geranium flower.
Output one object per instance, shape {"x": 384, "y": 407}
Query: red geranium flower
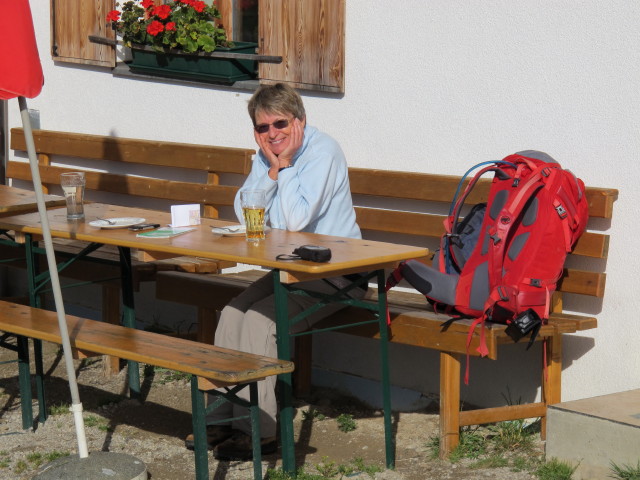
{"x": 147, "y": 4}
{"x": 198, "y": 5}
{"x": 170, "y": 26}
{"x": 154, "y": 28}
{"x": 162, "y": 11}
{"x": 113, "y": 16}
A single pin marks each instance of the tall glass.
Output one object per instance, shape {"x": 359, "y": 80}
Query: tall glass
{"x": 253, "y": 205}
{"x": 73, "y": 184}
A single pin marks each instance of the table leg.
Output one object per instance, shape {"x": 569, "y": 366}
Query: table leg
{"x": 384, "y": 364}
{"x": 284, "y": 380}
{"x": 129, "y": 316}
{"x": 34, "y": 301}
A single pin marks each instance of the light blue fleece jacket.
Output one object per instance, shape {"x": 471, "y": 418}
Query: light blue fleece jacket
{"x": 311, "y": 196}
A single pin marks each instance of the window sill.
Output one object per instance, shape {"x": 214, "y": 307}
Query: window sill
{"x": 122, "y": 70}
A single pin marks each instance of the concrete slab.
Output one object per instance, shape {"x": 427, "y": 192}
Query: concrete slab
{"x": 98, "y": 465}
{"x": 594, "y": 432}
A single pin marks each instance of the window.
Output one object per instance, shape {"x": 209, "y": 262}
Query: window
{"x": 308, "y": 34}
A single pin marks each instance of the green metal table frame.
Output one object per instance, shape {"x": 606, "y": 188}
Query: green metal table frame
{"x": 283, "y": 324}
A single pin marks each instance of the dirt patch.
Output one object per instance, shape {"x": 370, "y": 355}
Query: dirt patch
{"x": 153, "y": 431}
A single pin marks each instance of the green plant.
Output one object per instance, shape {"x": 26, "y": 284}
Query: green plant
{"x": 513, "y": 434}
{"x": 187, "y": 25}
{"x": 326, "y": 468}
{"x": 556, "y": 470}
{"x": 59, "y": 409}
{"x": 20, "y": 467}
{"x": 496, "y": 460}
{"x": 51, "y": 456}
{"x": 346, "y": 423}
{"x": 100, "y": 423}
{"x": 472, "y": 444}
{"x": 312, "y": 414}
{"x": 166, "y": 376}
{"x": 625, "y": 472}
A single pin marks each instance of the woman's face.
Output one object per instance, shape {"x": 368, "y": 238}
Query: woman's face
{"x": 276, "y": 138}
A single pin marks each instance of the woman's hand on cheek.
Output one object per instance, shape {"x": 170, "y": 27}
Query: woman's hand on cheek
{"x": 266, "y": 149}
{"x": 295, "y": 142}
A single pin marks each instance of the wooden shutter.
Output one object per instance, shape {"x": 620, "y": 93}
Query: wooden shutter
{"x": 309, "y": 35}
{"x": 72, "y": 21}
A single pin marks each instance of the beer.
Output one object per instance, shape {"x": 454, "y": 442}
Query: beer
{"x": 254, "y": 221}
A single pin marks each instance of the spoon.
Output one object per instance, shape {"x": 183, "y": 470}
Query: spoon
{"x": 110, "y": 222}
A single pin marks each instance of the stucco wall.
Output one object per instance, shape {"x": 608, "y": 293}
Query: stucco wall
{"x": 437, "y": 86}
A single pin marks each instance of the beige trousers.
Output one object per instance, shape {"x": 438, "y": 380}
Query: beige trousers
{"x": 248, "y": 324}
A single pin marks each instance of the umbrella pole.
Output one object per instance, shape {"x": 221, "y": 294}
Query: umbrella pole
{"x": 76, "y": 406}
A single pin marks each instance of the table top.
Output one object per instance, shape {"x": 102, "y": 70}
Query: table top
{"x": 17, "y": 200}
{"x": 348, "y": 255}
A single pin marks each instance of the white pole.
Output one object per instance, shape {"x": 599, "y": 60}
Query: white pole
{"x": 76, "y": 406}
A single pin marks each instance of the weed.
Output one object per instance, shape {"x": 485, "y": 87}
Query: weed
{"x": 4, "y": 463}
{"x": 20, "y": 467}
{"x": 511, "y": 435}
{"x": 495, "y": 460}
{"x": 312, "y": 414}
{"x": 625, "y": 472}
{"x": 59, "y": 409}
{"x": 166, "y": 376}
{"x": 556, "y": 469}
{"x": 100, "y": 423}
{"x": 326, "y": 468}
{"x": 273, "y": 474}
{"x": 360, "y": 466}
{"x": 472, "y": 444}
{"x": 35, "y": 458}
{"x": 346, "y": 423}
{"x": 51, "y": 456}
{"x": 433, "y": 445}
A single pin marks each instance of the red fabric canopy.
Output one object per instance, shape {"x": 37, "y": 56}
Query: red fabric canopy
{"x": 20, "y": 69}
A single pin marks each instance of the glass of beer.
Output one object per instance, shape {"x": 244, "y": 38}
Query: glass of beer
{"x": 253, "y": 204}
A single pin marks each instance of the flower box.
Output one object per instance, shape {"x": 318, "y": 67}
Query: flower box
{"x": 201, "y": 67}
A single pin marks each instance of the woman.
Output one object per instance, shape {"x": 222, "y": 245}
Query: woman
{"x": 304, "y": 174}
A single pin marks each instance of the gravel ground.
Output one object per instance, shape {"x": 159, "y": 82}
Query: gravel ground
{"x": 153, "y": 431}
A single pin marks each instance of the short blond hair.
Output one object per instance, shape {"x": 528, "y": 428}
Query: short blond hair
{"x": 276, "y": 99}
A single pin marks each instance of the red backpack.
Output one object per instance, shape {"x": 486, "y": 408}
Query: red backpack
{"x": 501, "y": 263}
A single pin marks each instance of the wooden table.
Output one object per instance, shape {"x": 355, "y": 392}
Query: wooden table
{"x": 348, "y": 256}
{"x": 17, "y": 200}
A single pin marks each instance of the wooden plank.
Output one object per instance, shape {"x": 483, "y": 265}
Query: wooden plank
{"x": 138, "y": 186}
{"x": 149, "y": 152}
{"x": 221, "y": 364}
{"x": 441, "y": 188}
{"x": 502, "y": 414}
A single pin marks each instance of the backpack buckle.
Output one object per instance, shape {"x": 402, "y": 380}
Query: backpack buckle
{"x": 535, "y": 282}
{"x": 562, "y": 212}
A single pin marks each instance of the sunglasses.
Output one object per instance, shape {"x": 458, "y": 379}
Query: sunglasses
{"x": 278, "y": 124}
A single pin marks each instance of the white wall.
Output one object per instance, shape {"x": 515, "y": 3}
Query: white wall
{"x": 437, "y": 86}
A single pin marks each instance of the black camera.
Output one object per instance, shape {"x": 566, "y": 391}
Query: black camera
{"x": 313, "y": 253}
{"x": 525, "y": 322}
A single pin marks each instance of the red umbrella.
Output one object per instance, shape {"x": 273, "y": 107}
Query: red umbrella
{"x": 20, "y": 69}
{"x": 21, "y": 76}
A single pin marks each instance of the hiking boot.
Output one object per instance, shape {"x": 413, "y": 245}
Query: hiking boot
{"x": 215, "y": 435}
{"x": 238, "y": 447}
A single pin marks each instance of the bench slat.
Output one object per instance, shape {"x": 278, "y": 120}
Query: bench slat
{"x": 590, "y": 244}
{"x": 441, "y": 188}
{"x": 199, "y": 157}
{"x": 216, "y": 363}
{"x": 139, "y": 186}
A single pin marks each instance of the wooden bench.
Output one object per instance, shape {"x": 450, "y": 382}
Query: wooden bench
{"x": 134, "y": 172}
{"x": 410, "y": 208}
{"x": 211, "y": 367}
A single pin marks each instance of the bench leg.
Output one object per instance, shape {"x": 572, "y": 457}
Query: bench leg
{"x": 552, "y": 378}
{"x": 42, "y": 398}
{"x": 111, "y": 314}
{"x": 449, "y": 403}
{"x": 254, "y": 410}
{"x": 199, "y": 430}
{"x": 24, "y": 376}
